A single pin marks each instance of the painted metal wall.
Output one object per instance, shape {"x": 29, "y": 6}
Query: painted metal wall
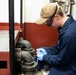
{"x": 4, "y": 11}
{"x": 32, "y": 9}
{"x": 74, "y": 10}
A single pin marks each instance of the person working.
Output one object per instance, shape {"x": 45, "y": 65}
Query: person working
{"x": 62, "y": 56}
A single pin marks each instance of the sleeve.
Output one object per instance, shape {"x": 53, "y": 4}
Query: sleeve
{"x": 52, "y": 50}
{"x": 66, "y": 54}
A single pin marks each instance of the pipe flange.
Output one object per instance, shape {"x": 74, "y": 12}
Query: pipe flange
{"x": 32, "y": 51}
{"x": 26, "y": 56}
{"x": 29, "y": 64}
{"x": 18, "y": 49}
{"x": 18, "y": 55}
{"x": 27, "y": 49}
{"x": 25, "y": 43}
{"x": 29, "y": 68}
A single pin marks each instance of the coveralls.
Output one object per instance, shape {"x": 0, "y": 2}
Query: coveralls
{"x": 62, "y": 57}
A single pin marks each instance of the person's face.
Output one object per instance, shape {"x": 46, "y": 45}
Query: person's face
{"x": 52, "y": 22}
{"x": 55, "y": 23}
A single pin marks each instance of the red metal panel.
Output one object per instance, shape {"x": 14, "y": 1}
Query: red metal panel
{"x": 5, "y": 26}
{"x": 4, "y": 56}
{"x": 40, "y": 35}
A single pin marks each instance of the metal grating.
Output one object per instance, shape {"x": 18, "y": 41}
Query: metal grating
{"x": 4, "y": 40}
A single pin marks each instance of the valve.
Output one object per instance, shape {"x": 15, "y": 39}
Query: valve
{"x": 26, "y": 60}
{"x": 25, "y": 46}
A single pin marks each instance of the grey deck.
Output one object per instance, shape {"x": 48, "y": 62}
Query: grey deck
{"x": 4, "y": 40}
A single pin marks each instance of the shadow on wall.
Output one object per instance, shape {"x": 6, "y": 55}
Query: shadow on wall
{"x": 40, "y": 35}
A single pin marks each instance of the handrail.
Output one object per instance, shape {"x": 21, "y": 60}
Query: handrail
{"x": 11, "y": 37}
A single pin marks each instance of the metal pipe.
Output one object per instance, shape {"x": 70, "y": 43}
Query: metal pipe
{"x": 11, "y": 37}
{"x": 72, "y": 2}
{"x": 21, "y": 3}
{"x": 70, "y": 7}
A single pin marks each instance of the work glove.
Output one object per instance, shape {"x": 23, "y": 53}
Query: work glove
{"x": 40, "y": 53}
{"x": 40, "y": 56}
{"x": 41, "y": 50}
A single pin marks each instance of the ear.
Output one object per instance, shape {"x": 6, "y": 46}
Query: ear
{"x": 56, "y": 17}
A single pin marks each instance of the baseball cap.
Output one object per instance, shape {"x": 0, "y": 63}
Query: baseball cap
{"x": 47, "y": 11}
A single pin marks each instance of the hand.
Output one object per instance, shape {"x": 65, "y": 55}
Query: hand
{"x": 41, "y": 50}
{"x": 40, "y": 53}
{"x": 40, "y": 56}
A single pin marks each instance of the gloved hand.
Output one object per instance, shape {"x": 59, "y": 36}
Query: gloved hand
{"x": 40, "y": 56}
{"x": 40, "y": 53}
{"x": 41, "y": 50}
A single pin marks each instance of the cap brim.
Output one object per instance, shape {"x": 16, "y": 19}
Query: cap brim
{"x": 40, "y": 21}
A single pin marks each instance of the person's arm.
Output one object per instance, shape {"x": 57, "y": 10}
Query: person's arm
{"x": 66, "y": 54}
{"x": 52, "y": 50}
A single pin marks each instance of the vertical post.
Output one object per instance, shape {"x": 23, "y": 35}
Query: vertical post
{"x": 11, "y": 37}
{"x": 21, "y": 4}
{"x": 70, "y": 7}
{"x": 72, "y": 2}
